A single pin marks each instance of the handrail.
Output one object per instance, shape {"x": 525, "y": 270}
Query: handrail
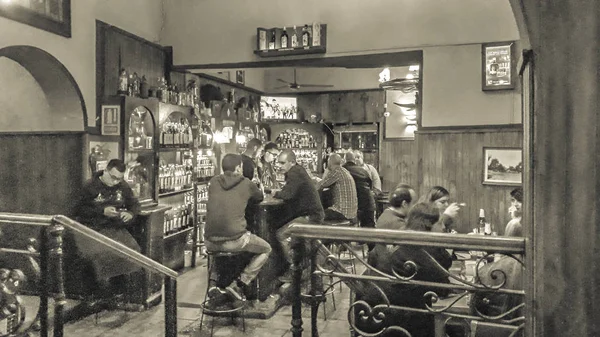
{"x": 493, "y": 244}
{"x": 115, "y": 246}
{"x": 30, "y": 219}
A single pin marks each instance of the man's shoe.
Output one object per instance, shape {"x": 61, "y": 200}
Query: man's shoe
{"x": 217, "y": 297}
{"x": 287, "y": 277}
{"x": 236, "y": 291}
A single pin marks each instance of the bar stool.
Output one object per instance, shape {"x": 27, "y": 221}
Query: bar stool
{"x": 205, "y": 306}
{"x": 346, "y": 259}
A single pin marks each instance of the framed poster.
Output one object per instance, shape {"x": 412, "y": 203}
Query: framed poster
{"x": 502, "y": 166}
{"x": 111, "y": 120}
{"x": 50, "y": 15}
{"x": 240, "y": 77}
{"x": 498, "y": 66}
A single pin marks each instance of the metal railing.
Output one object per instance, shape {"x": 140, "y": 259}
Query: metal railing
{"x": 49, "y": 252}
{"x": 483, "y": 289}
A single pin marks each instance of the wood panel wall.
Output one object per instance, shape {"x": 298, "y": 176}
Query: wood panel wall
{"x": 41, "y": 173}
{"x": 454, "y": 160}
{"x": 117, "y": 49}
{"x": 359, "y": 106}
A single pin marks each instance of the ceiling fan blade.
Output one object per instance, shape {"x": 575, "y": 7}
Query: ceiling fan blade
{"x": 316, "y": 85}
{"x": 284, "y": 81}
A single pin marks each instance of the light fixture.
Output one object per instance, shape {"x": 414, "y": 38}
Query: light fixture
{"x": 240, "y": 139}
{"x": 410, "y": 76}
{"x": 6, "y": 2}
{"x": 384, "y": 75}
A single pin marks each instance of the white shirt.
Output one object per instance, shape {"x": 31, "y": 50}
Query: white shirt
{"x": 374, "y": 176}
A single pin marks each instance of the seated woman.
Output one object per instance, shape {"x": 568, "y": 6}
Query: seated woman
{"x": 514, "y": 227}
{"x": 439, "y": 197}
{"x": 421, "y": 217}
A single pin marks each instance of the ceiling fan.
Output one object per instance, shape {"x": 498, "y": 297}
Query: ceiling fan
{"x": 295, "y": 85}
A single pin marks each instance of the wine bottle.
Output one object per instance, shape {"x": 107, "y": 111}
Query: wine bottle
{"x": 294, "y": 38}
{"x": 284, "y": 38}
{"x": 481, "y": 221}
{"x": 305, "y": 36}
{"x": 272, "y": 41}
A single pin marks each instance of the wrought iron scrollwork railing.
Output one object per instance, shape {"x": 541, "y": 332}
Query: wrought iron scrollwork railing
{"x": 43, "y": 261}
{"x": 492, "y": 290}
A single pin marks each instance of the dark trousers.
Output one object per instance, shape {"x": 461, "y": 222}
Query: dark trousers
{"x": 334, "y": 215}
{"x": 366, "y": 219}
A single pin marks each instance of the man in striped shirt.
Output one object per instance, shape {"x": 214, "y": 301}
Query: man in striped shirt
{"x": 345, "y": 203}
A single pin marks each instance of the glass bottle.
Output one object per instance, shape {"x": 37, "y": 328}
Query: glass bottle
{"x": 272, "y": 40}
{"x": 305, "y": 36}
{"x": 284, "y": 38}
{"x": 123, "y": 83}
{"x": 294, "y": 38}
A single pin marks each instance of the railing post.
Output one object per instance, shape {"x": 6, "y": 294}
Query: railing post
{"x": 44, "y": 284}
{"x": 56, "y": 255}
{"x": 316, "y": 291}
{"x": 297, "y": 255}
{"x": 170, "y": 307}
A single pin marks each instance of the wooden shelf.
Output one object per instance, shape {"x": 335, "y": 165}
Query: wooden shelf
{"x": 167, "y": 194}
{"x": 174, "y": 148}
{"x": 291, "y": 51}
{"x": 183, "y": 231}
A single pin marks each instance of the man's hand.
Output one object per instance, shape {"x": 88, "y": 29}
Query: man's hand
{"x": 126, "y": 216}
{"x": 111, "y": 212}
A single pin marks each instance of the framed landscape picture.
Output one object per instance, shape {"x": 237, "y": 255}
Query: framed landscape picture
{"x": 50, "y": 15}
{"x": 498, "y": 66}
{"x": 502, "y": 166}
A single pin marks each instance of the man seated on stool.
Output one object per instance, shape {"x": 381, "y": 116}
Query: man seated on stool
{"x": 108, "y": 206}
{"x": 301, "y": 200}
{"x": 226, "y": 227}
{"x": 337, "y": 178}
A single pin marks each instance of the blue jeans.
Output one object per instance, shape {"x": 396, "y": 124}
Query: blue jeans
{"x": 246, "y": 243}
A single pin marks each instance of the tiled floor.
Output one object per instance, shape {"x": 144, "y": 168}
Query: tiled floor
{"x": 190, "y": 292}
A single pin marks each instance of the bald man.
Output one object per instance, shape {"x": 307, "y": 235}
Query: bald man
{"x": 345, "y": 202}
{"x": 364, "y": 184}
{"x": 301, "y": 199}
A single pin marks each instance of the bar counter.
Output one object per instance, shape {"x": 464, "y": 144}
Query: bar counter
{"x": 268, "y": 221}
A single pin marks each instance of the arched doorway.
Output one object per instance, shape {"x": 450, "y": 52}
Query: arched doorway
{"x": 42, "y": 137}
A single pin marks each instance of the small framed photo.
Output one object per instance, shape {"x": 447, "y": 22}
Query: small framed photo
{"x": 240, "y": 76}
{"x": 498, "y": 66}
{"x": 502, "y": 166}
{"x": 111, "y": 120}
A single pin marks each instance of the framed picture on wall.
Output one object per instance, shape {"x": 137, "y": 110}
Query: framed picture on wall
{"x": 502, "y": 166}
{"x": 498, "y": 66}
{"x": 50, "y": 15}
{"x": 111, "y": 120}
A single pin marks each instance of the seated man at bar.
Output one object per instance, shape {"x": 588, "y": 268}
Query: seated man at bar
{"x": 108, "y": 206}
{"x": 226, "y": 227}
{"x": 366, "y": 199}
{"x": 301, "y": 200}
{"x": 400, "y": 202}
{"x": 249, "y": 158}
{"x": 340, "y": 181}
{"x": 371, "y": 170}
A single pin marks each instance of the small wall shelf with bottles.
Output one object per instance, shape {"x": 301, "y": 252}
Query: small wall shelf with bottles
{"x": 291, "y": 40}
{"x": 304, "y": 145}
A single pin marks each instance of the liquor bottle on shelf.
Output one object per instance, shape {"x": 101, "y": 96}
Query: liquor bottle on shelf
{"x": 123, "y": 83}
{"x": 284, "y": 38}
{"x": 272, "y": 40}
{"x": 305, "y": 36}
{"x": 294, "y": 38}
{"x": 316, "y": 34}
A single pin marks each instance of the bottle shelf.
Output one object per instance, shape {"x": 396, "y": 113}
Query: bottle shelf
{"x": 179, "y": 232}
{"x": 291, "y": 51}
{"x": 203, "y": 179}
{"x": 167, "y": 194}
{"x": 174, "y": 148}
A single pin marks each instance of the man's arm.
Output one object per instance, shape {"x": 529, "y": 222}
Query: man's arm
{"x": 375, "y": 177}
{"x": 247, "y": 168}
{"x": 256, "y": 195}
{"x": 291, "y": 187}
{"x": 330, "y": 178}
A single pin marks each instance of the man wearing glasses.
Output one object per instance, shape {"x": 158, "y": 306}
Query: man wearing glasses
{"x": 108, "y": 206}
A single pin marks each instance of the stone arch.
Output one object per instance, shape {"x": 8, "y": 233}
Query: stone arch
{"x": 64, "y": 98}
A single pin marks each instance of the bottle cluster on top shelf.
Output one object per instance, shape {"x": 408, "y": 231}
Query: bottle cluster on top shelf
{"x": 296, "y": 138}
{"x": 202, "y": 198}
{"x": 289, "y": 37}
{"x": 307, "y": 158}
{"x": 179, "y": 217}
{"x": 176, "y": 133}
{"x": 204, "y": 167}
{"x": 131, "y": 84}
{"x": 174, "y": 177}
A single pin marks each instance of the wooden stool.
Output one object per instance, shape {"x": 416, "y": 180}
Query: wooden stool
{"x": 205, "y": 306}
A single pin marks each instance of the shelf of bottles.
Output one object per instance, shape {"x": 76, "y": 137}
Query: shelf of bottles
{"x": 139, "y": 154}
{"x": 243, "y": 137}
{"x": 291, "y": 40}
{"x": 202, "y": 198}
{"x": 175, "y": 133}
{"x": 304, "y": 146}
{"x": 175, "y": 178}
{"x": 205, "y": 167}
{"x": 179, "y": 218}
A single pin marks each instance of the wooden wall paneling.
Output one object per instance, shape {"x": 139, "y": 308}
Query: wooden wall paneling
{"x": 398, "y": 163}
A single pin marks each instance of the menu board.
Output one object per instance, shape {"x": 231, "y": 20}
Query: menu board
{"x": 497, "y": 66}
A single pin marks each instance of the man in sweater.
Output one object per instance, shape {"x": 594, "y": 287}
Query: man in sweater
{"x": 226, "y": 228}
{"x": 340, "y": 181}
{"x": 401, "y": 200}
{"x": 371, "y": 170}
{"x": 301, "y": 199}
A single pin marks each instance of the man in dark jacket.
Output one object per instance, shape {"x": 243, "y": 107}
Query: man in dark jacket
{"x": 226, "y": 227}
{"x": 301, "y": 199}
{"x": 364, "y": 185}
{"x": 108, "y": 206}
